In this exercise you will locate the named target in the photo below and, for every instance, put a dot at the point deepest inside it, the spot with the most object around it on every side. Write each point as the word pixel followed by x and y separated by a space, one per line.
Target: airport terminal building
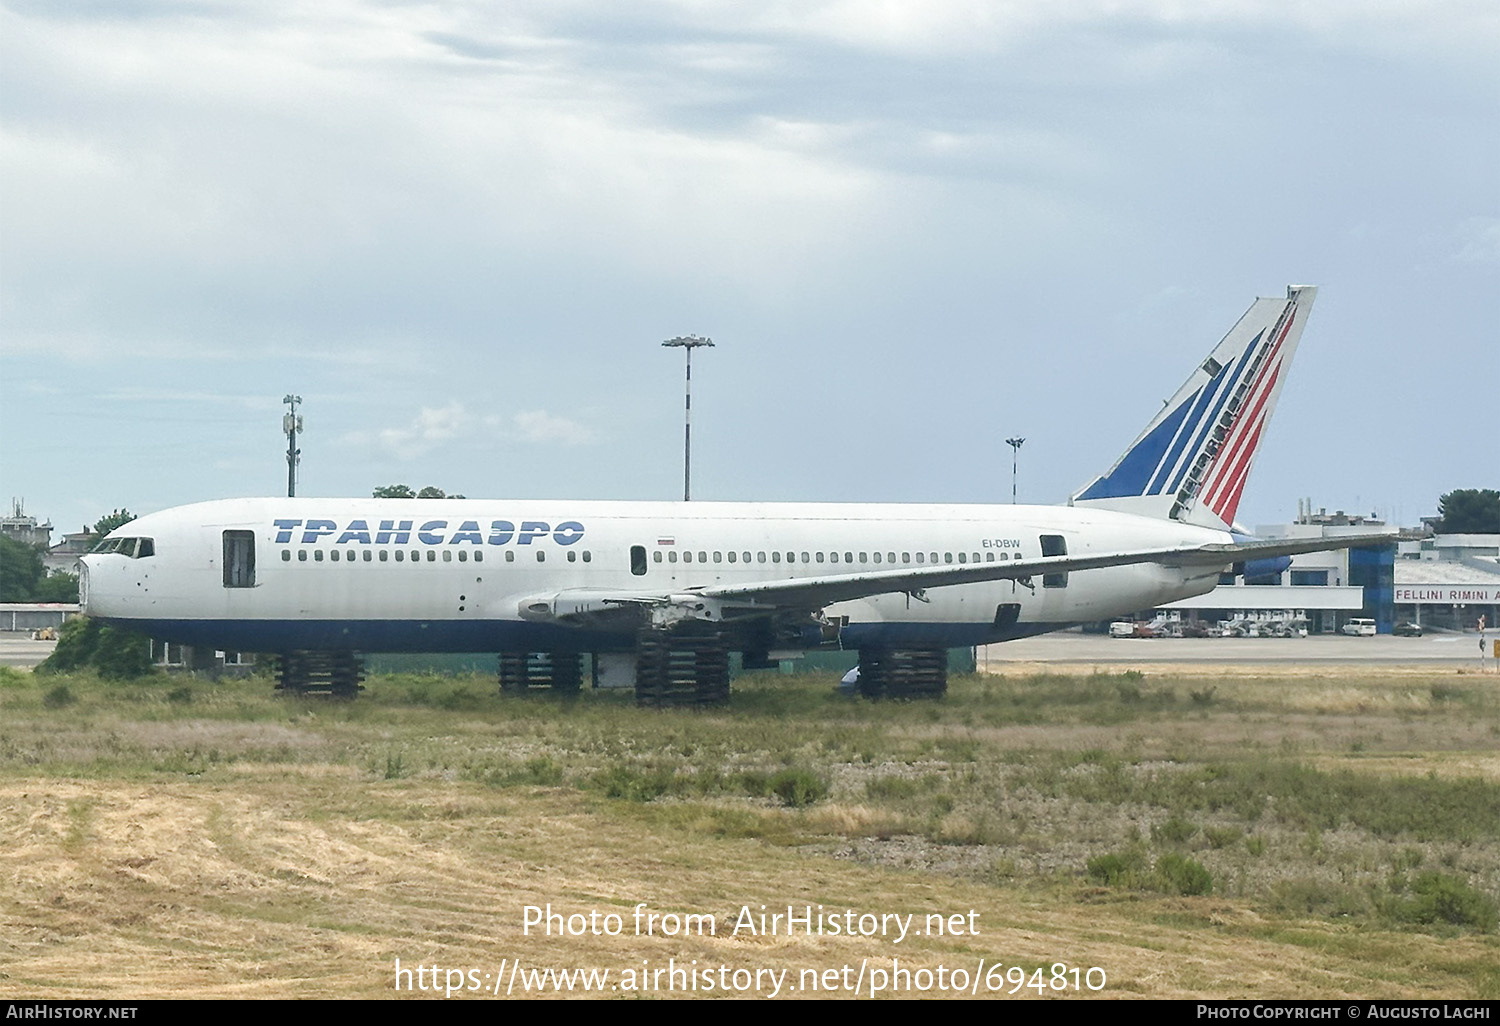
pixel 1449 581
pixel 1441 581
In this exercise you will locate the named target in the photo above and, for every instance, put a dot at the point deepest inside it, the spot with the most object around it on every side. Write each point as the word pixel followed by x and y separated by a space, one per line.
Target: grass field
pixel 1224 832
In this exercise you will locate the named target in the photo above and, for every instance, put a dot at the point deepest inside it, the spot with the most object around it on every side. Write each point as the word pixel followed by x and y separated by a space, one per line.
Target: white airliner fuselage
pixel 478 575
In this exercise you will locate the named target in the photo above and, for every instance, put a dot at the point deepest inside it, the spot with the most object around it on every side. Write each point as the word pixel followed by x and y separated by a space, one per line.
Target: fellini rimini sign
pixel 1447 594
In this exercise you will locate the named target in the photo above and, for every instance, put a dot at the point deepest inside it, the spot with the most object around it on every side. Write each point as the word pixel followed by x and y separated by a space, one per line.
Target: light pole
pixel 291 423
pixel 1015 457
pixel 687 343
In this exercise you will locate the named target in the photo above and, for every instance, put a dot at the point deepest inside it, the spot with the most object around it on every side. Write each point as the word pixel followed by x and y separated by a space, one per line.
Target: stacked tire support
pixel 681 669
pixel 332 674
pixel 903 673
pixel 522 671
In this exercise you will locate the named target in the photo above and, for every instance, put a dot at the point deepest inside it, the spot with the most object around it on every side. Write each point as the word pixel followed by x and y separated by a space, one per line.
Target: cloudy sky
pixel 460 230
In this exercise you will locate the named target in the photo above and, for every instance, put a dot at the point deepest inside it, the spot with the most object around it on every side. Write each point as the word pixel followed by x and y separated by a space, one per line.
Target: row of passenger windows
pixel 828 557
pixel 400 555
pixel 672 556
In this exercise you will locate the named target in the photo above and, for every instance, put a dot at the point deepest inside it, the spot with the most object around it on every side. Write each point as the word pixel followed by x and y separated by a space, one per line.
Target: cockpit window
pixel 135 548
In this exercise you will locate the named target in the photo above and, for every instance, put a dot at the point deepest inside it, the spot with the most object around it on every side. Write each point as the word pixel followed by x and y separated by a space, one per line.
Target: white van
pixel 1360 628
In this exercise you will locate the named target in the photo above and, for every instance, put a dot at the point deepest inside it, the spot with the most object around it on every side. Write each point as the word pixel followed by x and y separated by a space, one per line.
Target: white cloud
pixel 428 429
pixel 539 426
pixel 435 426
pixel 1479 241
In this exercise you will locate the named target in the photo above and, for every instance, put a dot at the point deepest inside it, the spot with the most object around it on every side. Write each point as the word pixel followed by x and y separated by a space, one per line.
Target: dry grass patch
pixel 242 845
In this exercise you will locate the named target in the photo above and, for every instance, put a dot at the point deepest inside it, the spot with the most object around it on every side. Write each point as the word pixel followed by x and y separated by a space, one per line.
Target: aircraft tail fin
pixel 1192 460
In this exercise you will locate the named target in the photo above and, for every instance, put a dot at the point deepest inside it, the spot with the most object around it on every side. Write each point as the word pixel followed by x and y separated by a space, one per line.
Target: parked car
pixel 1406 629
pixel 1359 627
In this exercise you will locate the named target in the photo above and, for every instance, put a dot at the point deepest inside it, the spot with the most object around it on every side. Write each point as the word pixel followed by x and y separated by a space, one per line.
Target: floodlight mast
pixel 687 343
pixel 1015 457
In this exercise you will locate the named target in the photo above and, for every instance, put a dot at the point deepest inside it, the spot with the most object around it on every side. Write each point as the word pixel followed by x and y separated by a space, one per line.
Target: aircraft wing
pixel 816 592
pixel 581 606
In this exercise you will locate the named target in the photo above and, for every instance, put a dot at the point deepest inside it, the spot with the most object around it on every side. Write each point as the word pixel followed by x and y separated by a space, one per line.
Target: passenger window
pixel 447 555
pixel 776 557
pixel 920 557
pixel 746 555
pixel 431 556
pixel 731 557
pixel 317 555
pixel 239 559
pixel 302 555
pixel 587 556
pixel 963 557
pixel 687 557
pixel 510 555
pixel 541 555
pixel 672 556
pixel 702 557
pixel 572 556
pixel 383 555
pixel 286 555
pixel 833 557
pixel 479 557
pixel 463 557
pixel 656 556
pixel 877 557
pixel 818 556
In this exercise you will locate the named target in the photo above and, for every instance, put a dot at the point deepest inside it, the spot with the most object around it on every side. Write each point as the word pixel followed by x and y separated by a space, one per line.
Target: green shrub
pixel 1117 869
pixel 1175 830
pixel 541 770
pixel 634 785
pixel 798 788
pixel 1222 837
pixel 58 697
pixel 1433 898
pixel 1318 897
pixel 1178 874
pixel 116 654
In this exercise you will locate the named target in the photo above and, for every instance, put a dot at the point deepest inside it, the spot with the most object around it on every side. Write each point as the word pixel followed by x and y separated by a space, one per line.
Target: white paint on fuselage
pixel 184 579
